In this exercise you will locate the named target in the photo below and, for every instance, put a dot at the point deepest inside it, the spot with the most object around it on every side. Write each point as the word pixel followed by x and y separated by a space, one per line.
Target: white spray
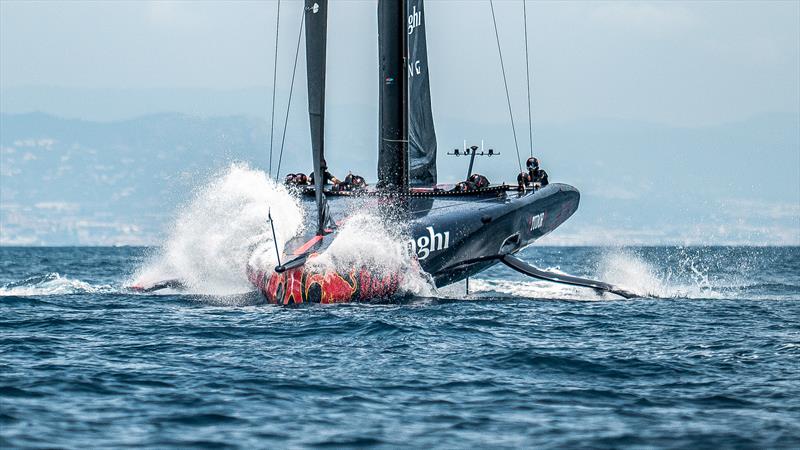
pixel 222 229
pixel 621 267
pixel 627 268
pixel 364 241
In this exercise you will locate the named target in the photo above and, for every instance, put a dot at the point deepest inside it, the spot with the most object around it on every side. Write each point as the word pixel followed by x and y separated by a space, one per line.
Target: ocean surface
pixel 709 357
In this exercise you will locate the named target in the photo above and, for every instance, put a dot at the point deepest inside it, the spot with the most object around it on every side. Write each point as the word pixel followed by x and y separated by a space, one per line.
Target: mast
pixel 316 38
pixel 393 117
pixel 407 148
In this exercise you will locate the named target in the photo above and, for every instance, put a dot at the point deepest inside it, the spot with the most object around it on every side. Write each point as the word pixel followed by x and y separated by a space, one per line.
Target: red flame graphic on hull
pixel 302 285
pixel 329 287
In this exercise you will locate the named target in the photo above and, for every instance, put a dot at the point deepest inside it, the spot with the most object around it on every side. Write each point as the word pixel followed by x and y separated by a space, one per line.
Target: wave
pixel 52 284
pixel 537 290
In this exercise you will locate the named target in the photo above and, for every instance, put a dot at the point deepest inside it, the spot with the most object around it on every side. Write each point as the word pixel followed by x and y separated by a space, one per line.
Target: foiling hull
pixel 451 238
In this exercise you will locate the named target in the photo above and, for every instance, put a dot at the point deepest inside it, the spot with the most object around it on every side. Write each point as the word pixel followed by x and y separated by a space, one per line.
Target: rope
pixel 274 86
pixel 291 89
pixel 505 83
pixel 528 75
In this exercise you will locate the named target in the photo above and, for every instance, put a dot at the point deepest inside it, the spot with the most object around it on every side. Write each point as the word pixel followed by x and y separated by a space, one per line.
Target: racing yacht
pixel 452 235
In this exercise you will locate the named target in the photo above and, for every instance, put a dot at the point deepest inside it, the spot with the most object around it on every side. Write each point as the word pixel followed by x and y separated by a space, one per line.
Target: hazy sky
pixel 678 63
pixel 657 106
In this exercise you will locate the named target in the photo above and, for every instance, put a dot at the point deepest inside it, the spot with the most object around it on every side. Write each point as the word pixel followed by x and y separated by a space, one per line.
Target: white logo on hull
pixel 433 241
pixel 537 221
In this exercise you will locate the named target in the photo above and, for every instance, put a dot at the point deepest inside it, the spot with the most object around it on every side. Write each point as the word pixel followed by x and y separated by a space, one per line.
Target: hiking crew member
pixel 479 181
pixel 523 180
pixel 296 179
pixel 464 186
pixel 351 183
pixel 533 177
pixel 537 176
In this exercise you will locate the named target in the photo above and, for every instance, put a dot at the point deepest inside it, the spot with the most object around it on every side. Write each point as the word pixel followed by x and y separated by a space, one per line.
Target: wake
pixel 624 268
pixel 52 284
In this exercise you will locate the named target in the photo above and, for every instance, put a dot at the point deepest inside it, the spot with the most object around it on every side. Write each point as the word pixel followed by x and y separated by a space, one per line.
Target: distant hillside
pixel 67 181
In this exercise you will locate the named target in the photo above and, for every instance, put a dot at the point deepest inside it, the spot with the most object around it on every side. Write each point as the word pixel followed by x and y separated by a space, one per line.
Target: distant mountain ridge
pixel 71 181
pixel 68 181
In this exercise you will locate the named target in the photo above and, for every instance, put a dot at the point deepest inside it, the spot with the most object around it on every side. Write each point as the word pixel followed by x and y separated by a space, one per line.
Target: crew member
pixel 523 180
pixel 479 181
pixel 296 179
pixel 358 182
pixel 301 179
pixel 326 176
pixel 351 183
pixel 538 177
pixel 464 186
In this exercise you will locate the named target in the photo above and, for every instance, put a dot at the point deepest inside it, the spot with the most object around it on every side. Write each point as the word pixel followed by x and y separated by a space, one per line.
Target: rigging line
pixel 528 75
pixel 505 83
pixel 274 86
pixel 291 89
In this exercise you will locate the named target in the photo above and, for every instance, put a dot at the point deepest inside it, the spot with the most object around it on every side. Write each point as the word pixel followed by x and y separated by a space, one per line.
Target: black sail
pixel 421 132
pixel 316 37
pixel 392 153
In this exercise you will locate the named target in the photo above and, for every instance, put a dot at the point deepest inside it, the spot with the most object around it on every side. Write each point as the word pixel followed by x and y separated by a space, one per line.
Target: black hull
pixel 482 231
pixel 452 237
pixel 457 236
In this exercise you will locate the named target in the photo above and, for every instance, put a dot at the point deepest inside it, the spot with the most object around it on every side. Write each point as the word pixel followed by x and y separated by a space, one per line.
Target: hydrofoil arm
pixel 527 269
pixel 165 284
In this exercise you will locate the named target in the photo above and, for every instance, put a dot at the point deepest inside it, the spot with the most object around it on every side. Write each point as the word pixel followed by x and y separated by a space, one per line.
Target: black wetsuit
pixel 479 181
pixel 351 183
pixel 463 186
pixel 326 177
pixel 538 176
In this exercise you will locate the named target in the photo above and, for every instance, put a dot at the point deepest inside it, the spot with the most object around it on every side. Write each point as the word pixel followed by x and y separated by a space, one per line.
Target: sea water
pixel 711 357
pixel 708 356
